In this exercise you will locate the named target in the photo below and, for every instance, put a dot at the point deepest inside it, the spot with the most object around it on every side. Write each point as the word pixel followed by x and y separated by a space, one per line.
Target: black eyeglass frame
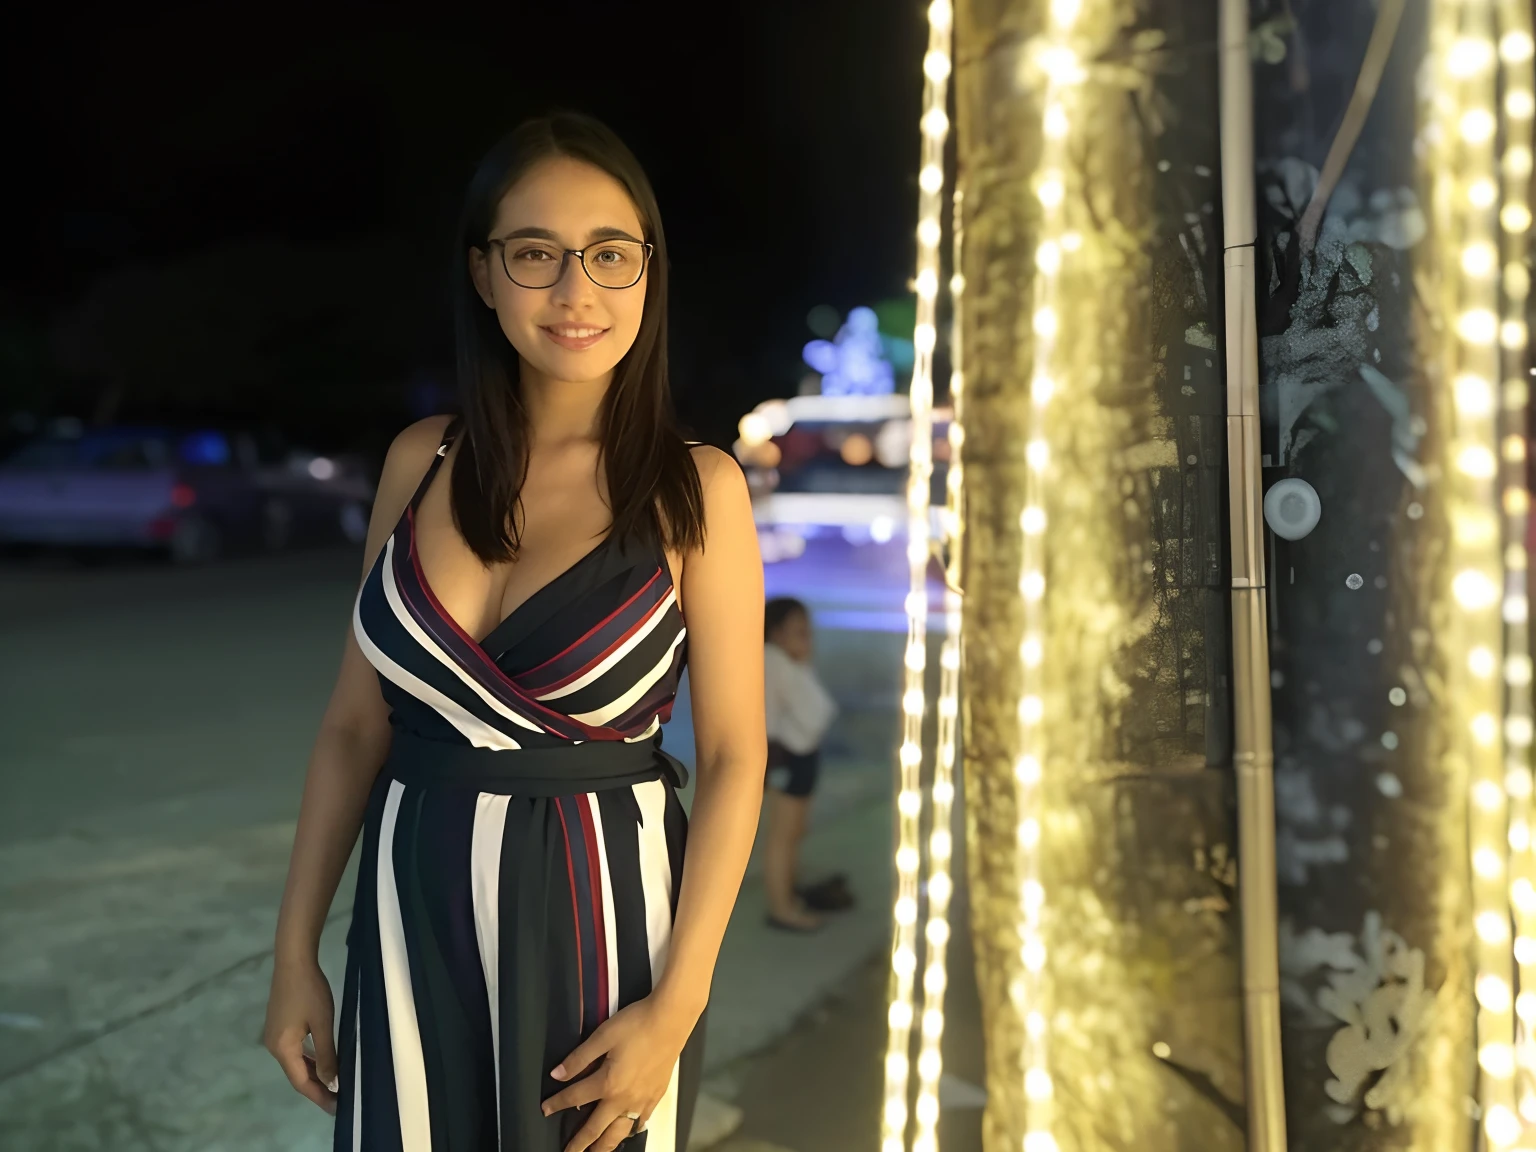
pixel 646 247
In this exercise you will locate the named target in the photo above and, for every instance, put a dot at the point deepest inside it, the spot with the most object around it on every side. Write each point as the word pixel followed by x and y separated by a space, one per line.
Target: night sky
pixel 265 200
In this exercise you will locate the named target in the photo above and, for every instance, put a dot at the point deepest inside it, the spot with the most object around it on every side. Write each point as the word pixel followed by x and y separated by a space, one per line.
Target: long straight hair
pixel 653 485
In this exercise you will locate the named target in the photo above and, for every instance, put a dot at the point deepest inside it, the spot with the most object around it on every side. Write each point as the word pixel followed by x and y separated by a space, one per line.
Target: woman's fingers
pixel 585 1053
pixel 645 1115
pixel 606 1118
pixel 290 1057
pixel 326 1067
pixel 615 1134
pixel 582 1092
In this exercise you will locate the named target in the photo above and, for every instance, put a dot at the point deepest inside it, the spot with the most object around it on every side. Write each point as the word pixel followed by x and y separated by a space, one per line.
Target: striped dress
pixel 522 852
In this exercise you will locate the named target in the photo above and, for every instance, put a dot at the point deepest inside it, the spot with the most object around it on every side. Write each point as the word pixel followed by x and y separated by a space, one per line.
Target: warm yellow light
pixel 1477 326
pixel 1469 56
pixel 1493 992
pixel 1515 47
pixel 1474 590
pixel 1479 260
pixel 1477 126
pixel 1477 460
pixel 1474 395
pixel 911 882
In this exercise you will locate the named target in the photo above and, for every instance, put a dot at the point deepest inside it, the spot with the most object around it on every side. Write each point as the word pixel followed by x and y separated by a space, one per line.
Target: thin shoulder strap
pixel 437 461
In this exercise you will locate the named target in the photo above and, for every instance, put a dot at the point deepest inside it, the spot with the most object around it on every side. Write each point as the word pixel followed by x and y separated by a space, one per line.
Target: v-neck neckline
pixel 487 643
pixel 493 644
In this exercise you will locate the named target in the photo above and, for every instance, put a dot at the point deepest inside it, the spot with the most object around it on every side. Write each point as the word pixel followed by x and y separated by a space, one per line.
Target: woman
pixel 529 956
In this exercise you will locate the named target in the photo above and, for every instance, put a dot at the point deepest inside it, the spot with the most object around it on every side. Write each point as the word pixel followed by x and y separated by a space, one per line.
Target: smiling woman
pixel 556 189
pixel 530 954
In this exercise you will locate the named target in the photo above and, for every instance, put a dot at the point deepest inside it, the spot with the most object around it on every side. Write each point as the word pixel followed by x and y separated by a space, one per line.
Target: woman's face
pixel 574 331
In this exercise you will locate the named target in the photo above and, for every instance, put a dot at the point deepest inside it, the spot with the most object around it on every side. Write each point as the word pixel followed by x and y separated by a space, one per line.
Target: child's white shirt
pixel 799 709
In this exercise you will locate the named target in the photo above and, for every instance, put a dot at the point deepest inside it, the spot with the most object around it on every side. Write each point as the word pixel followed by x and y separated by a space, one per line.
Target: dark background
pixel 243 210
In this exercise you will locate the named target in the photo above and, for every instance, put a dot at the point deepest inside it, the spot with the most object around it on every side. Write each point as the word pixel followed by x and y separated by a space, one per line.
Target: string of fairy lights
pixel 937 880
pixel 934 126
pixel 1515 82
pixel 1061 72
pixel 1483 293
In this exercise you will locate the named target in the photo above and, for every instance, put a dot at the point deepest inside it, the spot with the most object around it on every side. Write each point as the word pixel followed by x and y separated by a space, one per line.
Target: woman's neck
pixel 559 411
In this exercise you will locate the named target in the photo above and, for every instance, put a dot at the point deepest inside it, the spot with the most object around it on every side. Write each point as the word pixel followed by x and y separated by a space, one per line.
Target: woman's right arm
pixel 348 752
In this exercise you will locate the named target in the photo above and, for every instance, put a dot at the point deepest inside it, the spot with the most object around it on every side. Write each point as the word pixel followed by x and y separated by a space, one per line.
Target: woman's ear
pixel 480 273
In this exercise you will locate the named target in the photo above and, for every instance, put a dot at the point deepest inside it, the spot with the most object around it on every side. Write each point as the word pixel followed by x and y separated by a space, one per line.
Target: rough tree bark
pixel 1136 850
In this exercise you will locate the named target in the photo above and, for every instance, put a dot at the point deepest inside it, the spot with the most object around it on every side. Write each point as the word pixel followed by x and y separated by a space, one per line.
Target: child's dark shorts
pixel 792 773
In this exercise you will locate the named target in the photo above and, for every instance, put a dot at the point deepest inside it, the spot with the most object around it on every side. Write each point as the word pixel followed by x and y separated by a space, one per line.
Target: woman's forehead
pixel 570 198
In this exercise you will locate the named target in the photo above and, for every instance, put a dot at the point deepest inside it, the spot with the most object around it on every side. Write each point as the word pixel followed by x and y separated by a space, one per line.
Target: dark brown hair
pixel 779 611
pixel 653 485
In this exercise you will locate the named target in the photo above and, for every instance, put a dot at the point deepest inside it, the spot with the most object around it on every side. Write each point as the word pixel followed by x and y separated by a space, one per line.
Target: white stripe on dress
pixel 441 654
pixel 610 926
pixel 475 730
pixel 661 1128
pixel 485 885
pixel 600 716
pixel 656 884
pixel 655 872
pixel 618 653
pixel 400 1001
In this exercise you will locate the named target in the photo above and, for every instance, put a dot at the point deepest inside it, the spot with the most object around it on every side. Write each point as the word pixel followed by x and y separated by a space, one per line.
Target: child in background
pixel 799 712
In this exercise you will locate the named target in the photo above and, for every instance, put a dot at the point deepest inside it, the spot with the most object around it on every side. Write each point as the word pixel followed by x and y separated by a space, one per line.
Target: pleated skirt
pixel 490 935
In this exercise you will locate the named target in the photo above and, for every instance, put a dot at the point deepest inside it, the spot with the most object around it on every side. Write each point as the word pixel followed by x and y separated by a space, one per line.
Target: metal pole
pixel 1253 751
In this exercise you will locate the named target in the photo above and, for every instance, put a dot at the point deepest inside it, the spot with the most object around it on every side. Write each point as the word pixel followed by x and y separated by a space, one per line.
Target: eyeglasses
pixel 540 264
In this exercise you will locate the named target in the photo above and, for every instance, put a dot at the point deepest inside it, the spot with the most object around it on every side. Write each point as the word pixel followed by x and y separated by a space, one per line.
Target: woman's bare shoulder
pixel 409 457
pixel 714 466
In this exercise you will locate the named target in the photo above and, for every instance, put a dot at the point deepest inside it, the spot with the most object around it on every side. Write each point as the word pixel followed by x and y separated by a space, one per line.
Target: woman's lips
pixel 575 337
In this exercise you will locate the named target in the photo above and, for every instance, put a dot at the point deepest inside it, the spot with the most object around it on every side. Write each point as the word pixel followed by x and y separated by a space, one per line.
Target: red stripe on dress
pixel 617 643
pixel 595 878
pixel 598 627
pixel 558 719
pixel 570 871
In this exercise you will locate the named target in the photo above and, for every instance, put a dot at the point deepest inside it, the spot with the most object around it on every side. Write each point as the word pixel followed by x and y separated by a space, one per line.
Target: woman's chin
pixel 571 368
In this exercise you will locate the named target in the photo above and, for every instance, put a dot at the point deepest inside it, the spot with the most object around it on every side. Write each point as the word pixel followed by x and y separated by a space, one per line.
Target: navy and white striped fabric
pixel 493 930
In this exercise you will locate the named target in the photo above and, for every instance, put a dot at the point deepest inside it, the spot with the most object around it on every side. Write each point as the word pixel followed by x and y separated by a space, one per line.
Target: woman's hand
pixel 300 1006
pixel 638 1048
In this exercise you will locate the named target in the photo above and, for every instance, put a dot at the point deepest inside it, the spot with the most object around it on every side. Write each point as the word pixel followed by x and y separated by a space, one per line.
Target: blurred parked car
pixel 194 495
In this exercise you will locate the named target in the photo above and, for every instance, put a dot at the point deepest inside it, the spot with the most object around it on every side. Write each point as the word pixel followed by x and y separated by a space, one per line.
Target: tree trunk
pixel 1371 780
pixel 1136 852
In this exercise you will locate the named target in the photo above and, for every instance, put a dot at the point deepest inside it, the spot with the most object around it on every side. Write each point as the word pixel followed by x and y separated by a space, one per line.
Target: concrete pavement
pixel 155 729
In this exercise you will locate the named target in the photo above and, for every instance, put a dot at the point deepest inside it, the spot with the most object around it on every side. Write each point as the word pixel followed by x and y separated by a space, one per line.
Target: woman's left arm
pixel 722 598
pixel 723 606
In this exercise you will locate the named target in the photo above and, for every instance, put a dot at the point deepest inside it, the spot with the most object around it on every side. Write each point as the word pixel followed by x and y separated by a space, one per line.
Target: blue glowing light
pixel 853 363
pixel 206 448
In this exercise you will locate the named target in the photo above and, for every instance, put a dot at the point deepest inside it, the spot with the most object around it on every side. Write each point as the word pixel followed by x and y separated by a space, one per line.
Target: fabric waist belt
pixel 568 770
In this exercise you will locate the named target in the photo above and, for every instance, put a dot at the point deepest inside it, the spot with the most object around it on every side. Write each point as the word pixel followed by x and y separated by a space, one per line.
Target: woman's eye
pixel 532 255
pixel 610 256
